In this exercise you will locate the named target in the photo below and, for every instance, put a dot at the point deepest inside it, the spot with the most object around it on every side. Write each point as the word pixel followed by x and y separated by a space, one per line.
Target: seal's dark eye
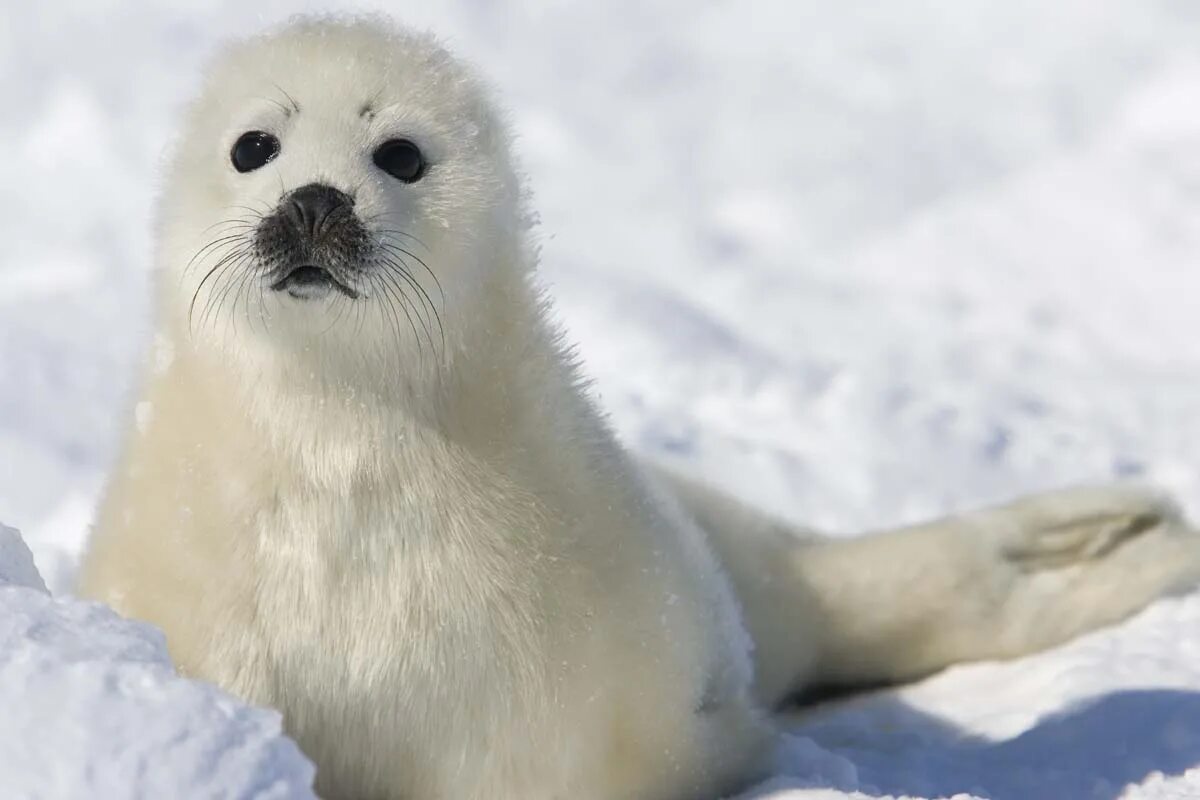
pixel 401 159
pixel 252 150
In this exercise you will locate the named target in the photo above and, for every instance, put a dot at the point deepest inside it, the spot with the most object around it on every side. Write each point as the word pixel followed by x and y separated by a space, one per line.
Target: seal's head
pixel 340 185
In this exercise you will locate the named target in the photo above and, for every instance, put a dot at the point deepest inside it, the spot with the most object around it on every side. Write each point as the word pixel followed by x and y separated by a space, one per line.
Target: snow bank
pixel 92 708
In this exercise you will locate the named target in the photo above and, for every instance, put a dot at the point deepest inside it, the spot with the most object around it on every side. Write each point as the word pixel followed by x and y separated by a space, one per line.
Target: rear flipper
pixel 995 583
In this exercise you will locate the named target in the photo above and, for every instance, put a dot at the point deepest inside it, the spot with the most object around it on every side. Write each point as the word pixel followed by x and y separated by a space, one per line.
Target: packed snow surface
pixel 862 263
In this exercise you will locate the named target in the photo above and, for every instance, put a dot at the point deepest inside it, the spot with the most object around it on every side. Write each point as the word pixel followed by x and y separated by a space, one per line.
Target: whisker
pixel 246 283
pixel 399 295
pixel 263 316
pixel 220 263
pixel 233 320
pixel 396 232
pixel 216 246
pixel 237 221
pixel 360 314
pixel 220 287
pixel 276 103
pixel 343 302
pixel 382 304
pixel 427 301
pixel 258 213
pixel 214 302
pixel 387 304
pixel 292 100
pixel 394 274
pixel 400 250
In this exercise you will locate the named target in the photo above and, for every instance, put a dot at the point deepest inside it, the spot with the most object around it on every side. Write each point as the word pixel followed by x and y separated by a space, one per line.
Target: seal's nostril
pixel 309 206
pixel 300 215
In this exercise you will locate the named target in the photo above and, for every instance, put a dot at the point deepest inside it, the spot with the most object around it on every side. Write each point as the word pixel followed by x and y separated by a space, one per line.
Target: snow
pixel 1114 708
pixel 16 562
pixel 862 263
pixel 93 708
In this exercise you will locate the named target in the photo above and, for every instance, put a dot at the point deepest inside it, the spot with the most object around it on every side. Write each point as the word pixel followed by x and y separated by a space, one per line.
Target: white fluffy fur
pixel 434 558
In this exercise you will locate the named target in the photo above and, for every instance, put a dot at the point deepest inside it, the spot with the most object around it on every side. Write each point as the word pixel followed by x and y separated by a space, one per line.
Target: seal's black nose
pixel 310 206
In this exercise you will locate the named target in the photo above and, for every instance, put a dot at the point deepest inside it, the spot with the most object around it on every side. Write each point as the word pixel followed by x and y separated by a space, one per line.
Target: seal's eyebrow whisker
pixel 368 108
pixel 287 111
pixel 290 99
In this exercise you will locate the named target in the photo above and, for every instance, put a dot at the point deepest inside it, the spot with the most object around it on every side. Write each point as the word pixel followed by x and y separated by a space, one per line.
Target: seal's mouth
pixel 309 282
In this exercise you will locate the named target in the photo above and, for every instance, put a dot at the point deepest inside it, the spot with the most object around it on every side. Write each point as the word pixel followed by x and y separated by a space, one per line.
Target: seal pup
pixel 366 485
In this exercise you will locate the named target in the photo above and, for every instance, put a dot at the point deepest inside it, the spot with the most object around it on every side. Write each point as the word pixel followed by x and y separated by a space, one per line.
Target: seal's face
pixel 338 182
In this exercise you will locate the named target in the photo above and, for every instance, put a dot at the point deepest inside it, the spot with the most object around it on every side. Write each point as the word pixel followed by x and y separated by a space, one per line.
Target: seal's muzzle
pixel 313 243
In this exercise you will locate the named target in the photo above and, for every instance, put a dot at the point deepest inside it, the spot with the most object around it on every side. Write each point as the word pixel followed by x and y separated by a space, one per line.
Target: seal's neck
pixel 503 379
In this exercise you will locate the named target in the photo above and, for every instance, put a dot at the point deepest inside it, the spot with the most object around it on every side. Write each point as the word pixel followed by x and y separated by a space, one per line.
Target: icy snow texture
pixel 93 709
pixel 861 262
pixel 16 562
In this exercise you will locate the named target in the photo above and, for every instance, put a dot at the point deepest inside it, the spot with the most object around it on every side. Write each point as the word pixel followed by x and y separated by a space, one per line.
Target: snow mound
pixel 93 708
pixel 16 562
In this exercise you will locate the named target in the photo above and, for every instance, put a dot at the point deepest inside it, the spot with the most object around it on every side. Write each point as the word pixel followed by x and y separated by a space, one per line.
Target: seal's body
pixel 367 488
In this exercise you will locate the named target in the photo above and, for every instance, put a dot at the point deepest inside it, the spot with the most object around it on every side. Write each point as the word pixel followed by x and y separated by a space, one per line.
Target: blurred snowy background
pixel 863 263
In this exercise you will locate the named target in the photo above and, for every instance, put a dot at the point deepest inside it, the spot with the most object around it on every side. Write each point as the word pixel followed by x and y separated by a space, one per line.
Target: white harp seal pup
pixel 367 487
